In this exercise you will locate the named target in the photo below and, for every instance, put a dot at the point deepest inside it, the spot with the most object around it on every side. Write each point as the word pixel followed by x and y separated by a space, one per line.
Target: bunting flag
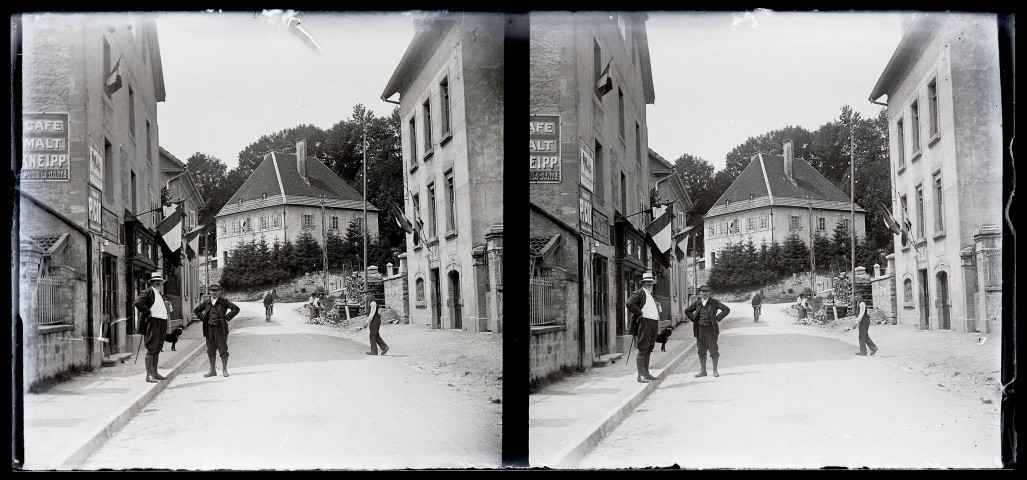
pixel 660 228
pixel 605 82
pixel 113 81
pixel 170 229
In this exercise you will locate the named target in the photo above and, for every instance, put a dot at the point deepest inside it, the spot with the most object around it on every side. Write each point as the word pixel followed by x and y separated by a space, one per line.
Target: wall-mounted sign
pixel 95 165
pixel 588 166
pixel 600 227
pixel 45 147
pixel 585 211
pixel 544 149
pixel 111 226
pixel 95 211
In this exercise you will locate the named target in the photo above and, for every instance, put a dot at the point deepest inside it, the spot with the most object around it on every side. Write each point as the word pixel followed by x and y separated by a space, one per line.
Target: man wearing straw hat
pixel 642 304
pixel 153 312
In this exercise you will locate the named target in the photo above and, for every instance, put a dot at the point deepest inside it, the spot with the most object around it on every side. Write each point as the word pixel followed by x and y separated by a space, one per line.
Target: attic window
pixel 263 196
pixel 240 201
pixel 727 202
pixel 752 196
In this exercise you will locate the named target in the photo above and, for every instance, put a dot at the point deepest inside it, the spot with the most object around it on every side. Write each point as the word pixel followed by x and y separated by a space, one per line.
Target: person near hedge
pixel 706 313
pixel 215 312
pixel 863 324
pixel 802 306
pixel 269 304
pixel 314 305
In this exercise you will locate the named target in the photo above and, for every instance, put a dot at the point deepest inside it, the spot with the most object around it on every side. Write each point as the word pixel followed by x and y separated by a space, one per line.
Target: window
pixel 431 211
pixel 276 221
pixel 450 202
pixel 131 112
pixel 914 126
pixel 845 225
pixel 722 228
pixel 794 222
pixel 821 224
pixel 359 222
pixel 920 211
pixel 939 212
pixel 623 193
pixel 750 224
pixel 907 291
pixel 600 168
pixel 247 225
pixel 620 111
pixel 224 229
pixel 308 221
pixel 149 142
pixel 264 222
pixel 597 64
pixel 108 171
pixel 900 148
pixel 334 223
pixel 712 232
pixel 932 107
pixel 415 199
pixel 905 213
pixel 135 195
pixel 733 226
pixel 106 65
pixel 419 291
pixel 235 227
pixel 444 104
pixel 713 259
pixel 413 142
pixel 763 222
pixel 638 142
pixel 642 207
pixel 427 127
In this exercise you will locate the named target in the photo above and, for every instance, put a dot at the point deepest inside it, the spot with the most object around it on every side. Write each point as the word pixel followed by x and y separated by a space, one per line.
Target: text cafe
pixel 544 149
pixel 45 147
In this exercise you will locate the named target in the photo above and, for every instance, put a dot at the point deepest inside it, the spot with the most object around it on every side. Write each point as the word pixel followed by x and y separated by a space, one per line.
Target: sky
pixel 232 77
pixel 723 77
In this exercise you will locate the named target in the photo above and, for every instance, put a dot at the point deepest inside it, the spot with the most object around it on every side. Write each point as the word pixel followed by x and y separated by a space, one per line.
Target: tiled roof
pixel 321 181
pixel 45 241
pixel 536 244
pixel 757 176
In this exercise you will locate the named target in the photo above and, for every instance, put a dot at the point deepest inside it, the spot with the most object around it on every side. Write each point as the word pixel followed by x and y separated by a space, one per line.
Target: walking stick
pixel 629 349
pixel 140 344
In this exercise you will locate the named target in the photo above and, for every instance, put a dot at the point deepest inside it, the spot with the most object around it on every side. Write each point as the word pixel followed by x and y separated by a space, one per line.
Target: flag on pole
pixel 113 81
pixel 660 229
pixel 170 229
pixel 605 82
pixel 890 221
pixel 407 226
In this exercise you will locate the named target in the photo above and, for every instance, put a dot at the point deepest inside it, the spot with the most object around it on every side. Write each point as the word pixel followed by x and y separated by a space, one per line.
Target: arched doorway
pixel 454 299
pixel 943 300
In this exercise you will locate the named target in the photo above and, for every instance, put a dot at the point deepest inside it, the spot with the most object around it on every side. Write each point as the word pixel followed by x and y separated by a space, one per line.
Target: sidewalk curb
pixel 79 454
pixel 577 450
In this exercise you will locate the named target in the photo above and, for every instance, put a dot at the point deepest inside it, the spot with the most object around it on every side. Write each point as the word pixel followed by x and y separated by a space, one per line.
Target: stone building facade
pixel 89 175
pixel 450 87
pixel 944 103
pixel 590 81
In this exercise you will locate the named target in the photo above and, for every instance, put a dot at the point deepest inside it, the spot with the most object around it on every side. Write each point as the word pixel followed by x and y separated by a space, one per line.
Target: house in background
pixel 286 196
pixel 672 281
pixel 773 197
pixel 182 285
pixel 450 87
pixel 944 106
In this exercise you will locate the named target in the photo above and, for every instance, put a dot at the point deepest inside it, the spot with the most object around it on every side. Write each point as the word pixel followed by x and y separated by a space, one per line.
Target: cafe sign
pixel 588 167
pixel 95 211
pixel 585 211
pixel 95 165
pixel 45 154
pixel 544 149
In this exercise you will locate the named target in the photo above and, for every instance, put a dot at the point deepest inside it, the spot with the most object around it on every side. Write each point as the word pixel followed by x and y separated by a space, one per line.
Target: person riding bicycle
pixel 757 305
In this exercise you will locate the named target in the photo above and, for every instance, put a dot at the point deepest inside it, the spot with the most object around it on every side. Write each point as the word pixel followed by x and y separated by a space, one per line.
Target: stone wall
pixel 884 293
pixel 552 348
pixel 397 296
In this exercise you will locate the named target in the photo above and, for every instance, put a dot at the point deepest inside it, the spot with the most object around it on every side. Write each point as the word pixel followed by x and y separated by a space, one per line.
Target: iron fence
pixel 540 301
pixel 49 301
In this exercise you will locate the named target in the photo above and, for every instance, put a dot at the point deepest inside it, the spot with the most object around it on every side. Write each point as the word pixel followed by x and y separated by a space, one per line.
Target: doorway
pixel 436 299
pixel 600 318
pixel 454 299
pixel 925 304
pixel 943 301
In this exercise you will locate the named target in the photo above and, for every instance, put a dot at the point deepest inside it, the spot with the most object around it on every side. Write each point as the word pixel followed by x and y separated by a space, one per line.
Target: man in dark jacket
pixel 154 313
pixel 704 316
pixel 215 312
pixel 643 306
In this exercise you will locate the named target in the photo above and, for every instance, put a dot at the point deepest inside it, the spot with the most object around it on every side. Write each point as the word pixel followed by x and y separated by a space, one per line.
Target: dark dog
pixel 172 337
pixel 663 337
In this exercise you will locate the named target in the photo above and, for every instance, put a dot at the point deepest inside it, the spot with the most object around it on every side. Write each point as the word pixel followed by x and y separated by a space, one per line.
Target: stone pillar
pixel 988 247
pixel 970 287
pixel 403 263
pixel 494 253
pixel 388 270
pixel 890 261
pixel 877 270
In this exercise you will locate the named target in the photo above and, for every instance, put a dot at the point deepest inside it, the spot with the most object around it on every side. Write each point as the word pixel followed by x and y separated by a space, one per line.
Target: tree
pixel 209 174
pixel 794 254
pixel 309 257
pixel 771 143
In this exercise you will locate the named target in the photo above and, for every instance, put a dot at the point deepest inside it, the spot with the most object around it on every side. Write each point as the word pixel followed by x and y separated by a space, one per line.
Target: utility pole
pixel 812 246
pixel 364 224
pixel 206 250
pixel 852 212
pixel 324 248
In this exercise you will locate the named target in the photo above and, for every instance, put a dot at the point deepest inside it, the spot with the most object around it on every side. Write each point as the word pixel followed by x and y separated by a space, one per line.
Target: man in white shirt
pixel 645 308
pixel 154 313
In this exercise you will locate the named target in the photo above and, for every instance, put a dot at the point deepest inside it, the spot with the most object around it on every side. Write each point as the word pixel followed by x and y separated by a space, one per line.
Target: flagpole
pixel 365 202
pixel 852 213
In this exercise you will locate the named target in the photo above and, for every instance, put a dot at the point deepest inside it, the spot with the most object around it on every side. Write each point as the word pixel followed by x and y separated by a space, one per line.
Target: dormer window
pixel 752 196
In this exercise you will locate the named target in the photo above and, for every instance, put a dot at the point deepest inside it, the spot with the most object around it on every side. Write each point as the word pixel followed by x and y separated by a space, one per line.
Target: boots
pixel 702 367
pixel 155 374
pixel 224 365
pixel 646 363
pixel 715 373
pixel 149 370
pixel 212 371
pixel 640 364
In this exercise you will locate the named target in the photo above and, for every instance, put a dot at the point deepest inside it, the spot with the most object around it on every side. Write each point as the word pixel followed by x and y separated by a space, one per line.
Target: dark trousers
pixel 268 309
pixel 707 341
pixel 375 337
pixel 156 329
pixel 647 331
pixel 217 342
pixel 864 336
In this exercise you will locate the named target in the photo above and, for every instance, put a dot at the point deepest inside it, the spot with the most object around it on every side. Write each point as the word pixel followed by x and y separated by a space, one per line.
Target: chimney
pixel 789 161
pixel 301 158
